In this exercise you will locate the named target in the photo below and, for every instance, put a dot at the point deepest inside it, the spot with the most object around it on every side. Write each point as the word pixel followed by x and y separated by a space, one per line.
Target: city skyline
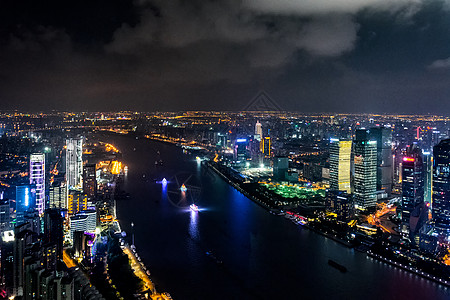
pixel 344 56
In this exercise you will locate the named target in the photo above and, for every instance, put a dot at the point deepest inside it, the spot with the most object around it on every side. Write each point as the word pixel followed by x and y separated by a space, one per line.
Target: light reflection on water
pixel 262 254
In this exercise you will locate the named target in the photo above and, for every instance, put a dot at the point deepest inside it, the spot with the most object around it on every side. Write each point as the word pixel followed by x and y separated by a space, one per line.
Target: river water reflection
pixel 234 249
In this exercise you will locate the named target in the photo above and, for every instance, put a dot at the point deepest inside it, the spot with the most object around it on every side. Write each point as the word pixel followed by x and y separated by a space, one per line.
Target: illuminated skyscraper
pixel 428 177
pixel 365 161
pixel 340 157
pixel 441 187
pixel 240 150
pixel 258 131
pixel 58 194
pixel 412 184
pixel 74 162
pixel 266 146
pixel 77 202
pixel 280 167
pixel 89 181
pixel 37 177
pixel 383 137
pixel 25 200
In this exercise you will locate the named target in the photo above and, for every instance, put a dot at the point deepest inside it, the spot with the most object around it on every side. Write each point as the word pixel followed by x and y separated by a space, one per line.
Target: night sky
pixel 308 55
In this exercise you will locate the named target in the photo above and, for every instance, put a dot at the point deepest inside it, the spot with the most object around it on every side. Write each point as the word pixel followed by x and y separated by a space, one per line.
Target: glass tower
pixel 340 158
pixel 74 162
pixel 37 177
pixel 441 187
pixel 412 184
pixel 365 160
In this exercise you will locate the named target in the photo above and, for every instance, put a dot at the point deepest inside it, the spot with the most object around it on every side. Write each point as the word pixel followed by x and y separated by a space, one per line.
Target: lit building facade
pixel 365 162
pixel 74 162
pixel 412 184
pixel 85 221
pixel 383 137
pixel 258 131
pixel 266 146
pixel 428 177
pixel 441 187
pixel 25 200
pixel 340 203
pixel 89 180
pixel 58 194
pixel 280 167
pixel 77 202
pixel 37 177
pixel 340 159
pixel 241 152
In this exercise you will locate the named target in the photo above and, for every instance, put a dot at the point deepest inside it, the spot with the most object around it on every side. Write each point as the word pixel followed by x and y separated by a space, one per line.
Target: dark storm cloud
pixel 154 54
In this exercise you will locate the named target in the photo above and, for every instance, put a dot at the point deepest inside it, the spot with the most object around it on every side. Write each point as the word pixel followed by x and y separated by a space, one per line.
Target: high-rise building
pixel 241 152
pixel 428 177
pixel 58 194
pixel 5 220
pixel 280 167
pixel 25 200
pixel 77 201
pixel 266 146
pixel 340 203
pixel 37 177
pixel 85 221
pixel 383 137
pixel 365 162
pixel 258 131
pixel 53 230
pixel 89 180
pixel 74 162
pixel 441 187
pixel 412 185
pixel 340 158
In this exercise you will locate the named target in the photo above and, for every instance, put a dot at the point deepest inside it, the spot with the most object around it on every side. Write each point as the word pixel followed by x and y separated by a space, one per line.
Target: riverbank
pixel 329 236
pixel 260 203
pixel 409 269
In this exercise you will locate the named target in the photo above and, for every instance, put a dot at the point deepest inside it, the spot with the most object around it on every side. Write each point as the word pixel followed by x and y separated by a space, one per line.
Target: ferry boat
pixel 340 267
pixel 183 188
pixel 193 207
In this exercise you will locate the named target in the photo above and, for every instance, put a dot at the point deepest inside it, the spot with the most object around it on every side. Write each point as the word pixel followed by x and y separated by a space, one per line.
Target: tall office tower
pixel 53 230
pixel 266 146
pixel 240 150
pixel 77 202
pixel 74 162
pixel 25 200
pixel 383 136
pixel 58 194
pixel 280 167
pixel 412 185
pixel 258 131
pixel 441 187
pixel 365 161
pixel 340 158
pixel 5 220
pixel 89 181
pixel 428 177
pixel 37 177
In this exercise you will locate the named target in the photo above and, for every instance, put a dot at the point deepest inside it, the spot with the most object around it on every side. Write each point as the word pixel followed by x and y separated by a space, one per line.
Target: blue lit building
pixel 241 152
pixel 441 187
pixel 25 200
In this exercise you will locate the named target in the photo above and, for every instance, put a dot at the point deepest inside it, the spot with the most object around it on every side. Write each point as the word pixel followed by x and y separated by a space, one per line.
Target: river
pixel 234 249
